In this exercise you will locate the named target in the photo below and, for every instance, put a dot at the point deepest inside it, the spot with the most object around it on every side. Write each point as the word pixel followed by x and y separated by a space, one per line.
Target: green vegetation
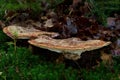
pixel 102 73
pixel 103 9
pixel 109 7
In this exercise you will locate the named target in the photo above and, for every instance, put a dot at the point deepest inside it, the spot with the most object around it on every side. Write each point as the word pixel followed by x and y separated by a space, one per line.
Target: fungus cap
pixel 20 32
pixel 71 45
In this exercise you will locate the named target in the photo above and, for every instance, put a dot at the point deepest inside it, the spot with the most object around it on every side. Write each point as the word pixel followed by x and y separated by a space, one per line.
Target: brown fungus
pixel 71 47
pixel 20 32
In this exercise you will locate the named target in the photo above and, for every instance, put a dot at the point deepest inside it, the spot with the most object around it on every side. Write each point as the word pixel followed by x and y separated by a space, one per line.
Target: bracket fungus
pixel 71 47
pixel 20 32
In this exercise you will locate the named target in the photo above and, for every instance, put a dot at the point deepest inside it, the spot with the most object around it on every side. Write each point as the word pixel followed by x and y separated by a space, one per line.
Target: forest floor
pixel 19 61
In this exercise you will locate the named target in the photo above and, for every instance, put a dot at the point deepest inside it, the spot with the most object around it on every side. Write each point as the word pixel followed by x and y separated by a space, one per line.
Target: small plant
pixel 2 76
